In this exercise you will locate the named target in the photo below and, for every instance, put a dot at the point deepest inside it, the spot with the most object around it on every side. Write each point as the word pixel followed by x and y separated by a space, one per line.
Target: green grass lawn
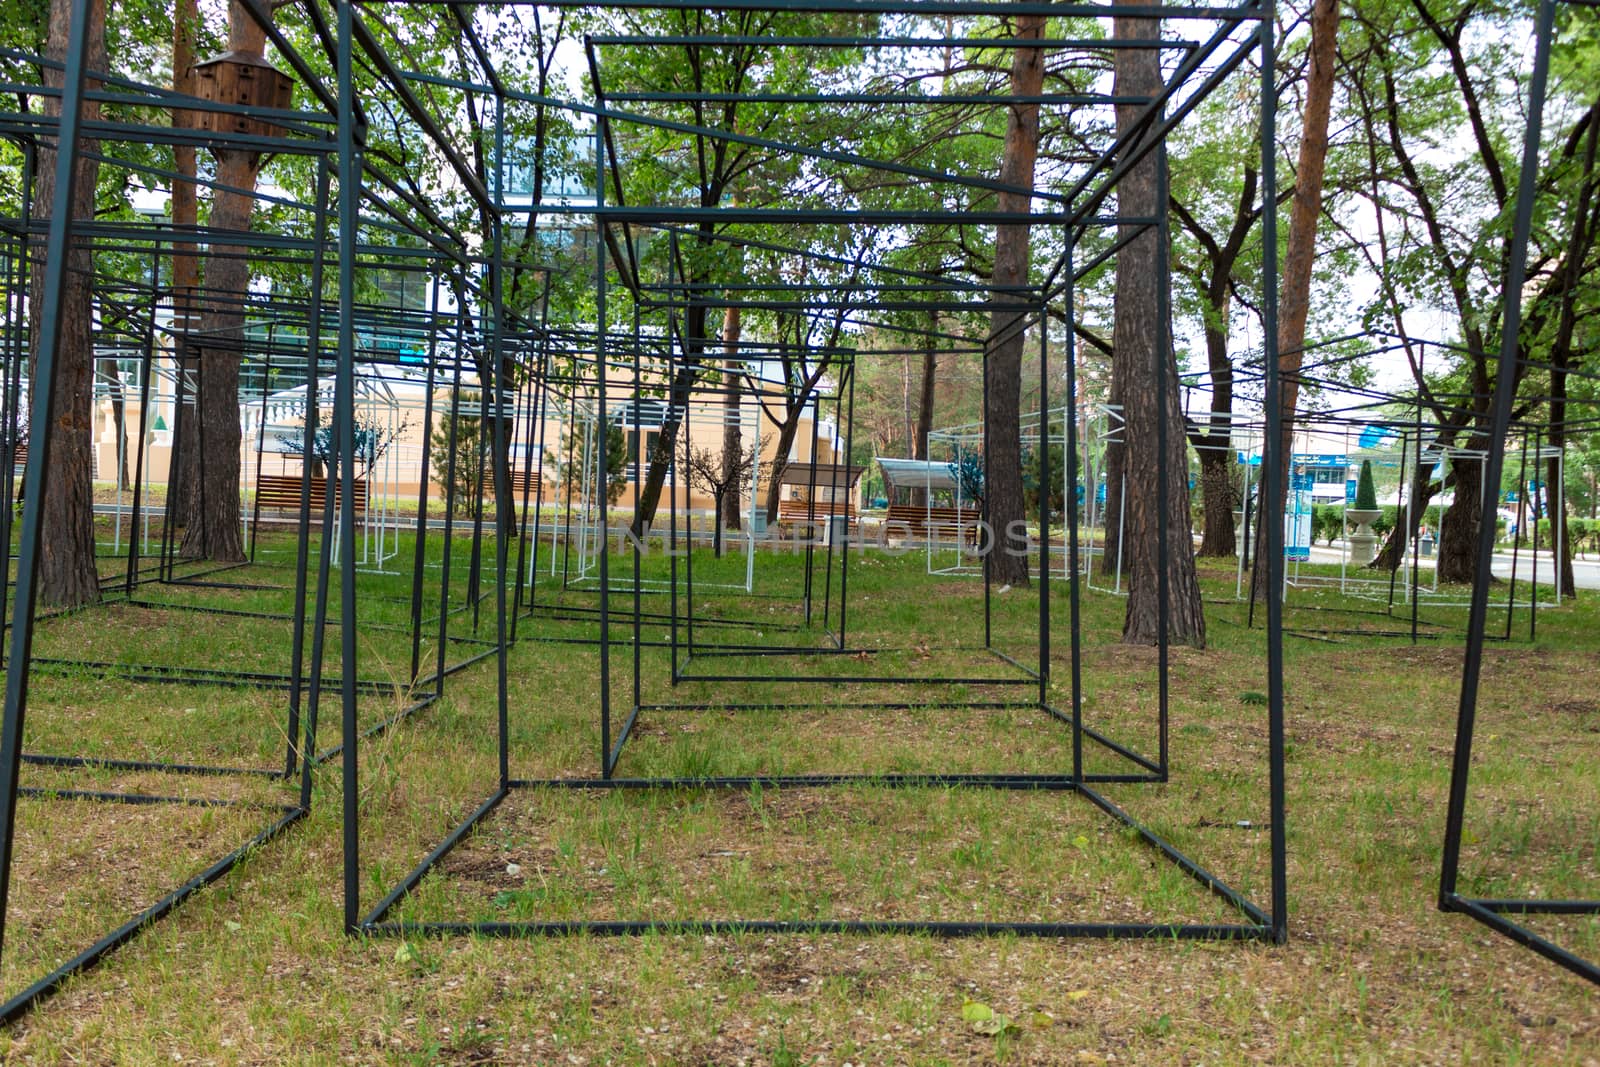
pixel 256 969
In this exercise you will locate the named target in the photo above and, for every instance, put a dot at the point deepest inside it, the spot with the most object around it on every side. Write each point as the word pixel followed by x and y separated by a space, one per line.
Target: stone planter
pixel 1363 541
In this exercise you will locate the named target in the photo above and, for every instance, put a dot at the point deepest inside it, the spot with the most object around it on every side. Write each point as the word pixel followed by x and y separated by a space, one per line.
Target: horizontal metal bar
pixel 203 770
pixel 864 216
pixel 891 679
pixel 92 955
pixel 1538 907
pixel 382 726
pixel 1019 782
pixel 854 705
pixel 1099 738
pixel 1000 8
pixel 615 755
pixel 29 123
pixel 1523 936
pixel 163 674
pixel 1005 99
pixel 1009 44
pixel 146 799
pixel 1216 885
pixel 411 880
pixel 735 927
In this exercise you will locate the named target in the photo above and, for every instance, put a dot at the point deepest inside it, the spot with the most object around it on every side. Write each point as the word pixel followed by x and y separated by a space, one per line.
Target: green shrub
pixel 1327 522
pixel 1366 492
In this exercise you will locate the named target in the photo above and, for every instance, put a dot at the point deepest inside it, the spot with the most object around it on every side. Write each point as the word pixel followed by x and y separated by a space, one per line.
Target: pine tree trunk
pixel 1408 521
pixel 67 575
pixel 1142 347
pixel 1458 530
pixel 649 498
pixel 214 525
pixel 1215 447
pixel 786 436
pixel 1008 563
pixel 1217 494
pixel 1294 301
pixel 185 267
pixel 214 528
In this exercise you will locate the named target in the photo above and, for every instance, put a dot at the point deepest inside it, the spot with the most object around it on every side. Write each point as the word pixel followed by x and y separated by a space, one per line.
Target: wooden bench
pixel 522 481
pixel 282 491
pixel 804 513
pixel 940 521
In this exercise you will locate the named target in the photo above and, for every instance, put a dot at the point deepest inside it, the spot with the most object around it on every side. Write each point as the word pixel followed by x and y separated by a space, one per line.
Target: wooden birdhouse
pixel 242 79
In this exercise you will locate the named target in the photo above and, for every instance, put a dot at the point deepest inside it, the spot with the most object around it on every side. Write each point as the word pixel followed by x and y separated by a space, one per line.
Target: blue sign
pixel 1373 436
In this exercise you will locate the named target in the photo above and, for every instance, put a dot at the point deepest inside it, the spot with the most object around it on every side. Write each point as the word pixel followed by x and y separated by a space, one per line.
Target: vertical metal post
pixel 1166 370
pixel 985 531
pixel 51 313
pixel 1070 431
pixel 261 447
pixel 602 426
pixel 1044 506
pixel 1272 489
pixel 419 553
pixel 131 578
pixel 1533 557
pixel 174 463
pixel 504 508
pixel 344 433
pixel 450 464
pixel 1505 394
pixel 303 523
pixel 1405 510
pixel 643 531
pixel 849 490
pixel 13 385
pixel 541 413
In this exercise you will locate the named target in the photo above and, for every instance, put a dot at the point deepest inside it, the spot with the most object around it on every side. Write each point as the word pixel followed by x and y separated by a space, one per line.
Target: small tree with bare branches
pixel 711 472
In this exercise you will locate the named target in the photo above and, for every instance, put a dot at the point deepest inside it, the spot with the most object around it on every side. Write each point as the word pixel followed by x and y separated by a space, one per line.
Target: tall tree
pixel 804 362
pixel 1294 301
pixel 708 168
pixel 1146 380
pixel 214 529
pixel 185 264
pixel 1418 73
pixel 67 574
pixel 1007 334
pixel 1214 273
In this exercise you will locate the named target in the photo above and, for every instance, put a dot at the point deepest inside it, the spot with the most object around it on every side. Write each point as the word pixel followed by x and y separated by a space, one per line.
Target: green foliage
pixel 458 436
pixel 1327 522
pixel 968 473
pixel 1366 492
pixel 574 449
pixel 1031 479
pixel 372 442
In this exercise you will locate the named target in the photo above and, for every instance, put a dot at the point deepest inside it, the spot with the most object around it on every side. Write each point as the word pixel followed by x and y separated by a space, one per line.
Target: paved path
pixel 1585 572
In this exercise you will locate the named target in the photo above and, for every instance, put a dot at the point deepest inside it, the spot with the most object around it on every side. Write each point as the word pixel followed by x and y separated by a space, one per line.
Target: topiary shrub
pixel 1366 492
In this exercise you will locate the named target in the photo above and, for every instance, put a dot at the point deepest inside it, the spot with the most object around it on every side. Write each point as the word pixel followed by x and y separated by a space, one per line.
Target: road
pixel 1585 572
